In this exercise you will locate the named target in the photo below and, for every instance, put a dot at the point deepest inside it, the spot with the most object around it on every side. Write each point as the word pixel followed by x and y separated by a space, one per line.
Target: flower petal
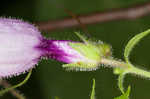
pixel 18 52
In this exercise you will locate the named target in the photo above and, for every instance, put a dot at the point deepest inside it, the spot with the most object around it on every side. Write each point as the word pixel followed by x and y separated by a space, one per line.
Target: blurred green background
pixel 49 79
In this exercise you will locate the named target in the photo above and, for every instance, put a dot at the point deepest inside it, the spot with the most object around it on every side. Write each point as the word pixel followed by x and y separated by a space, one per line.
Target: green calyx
pixel 88 50
pixel 91 51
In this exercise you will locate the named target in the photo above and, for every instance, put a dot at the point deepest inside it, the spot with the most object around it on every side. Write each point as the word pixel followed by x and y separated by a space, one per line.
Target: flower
pixel 78 55
pixel 22 46
pixel 18 42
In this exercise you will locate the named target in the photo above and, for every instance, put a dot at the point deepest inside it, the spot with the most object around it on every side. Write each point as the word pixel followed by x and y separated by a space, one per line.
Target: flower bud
pixel 18 47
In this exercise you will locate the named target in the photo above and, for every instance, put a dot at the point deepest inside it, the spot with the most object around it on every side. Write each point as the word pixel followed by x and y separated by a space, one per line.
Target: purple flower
pixel 22 46
pixel 18 52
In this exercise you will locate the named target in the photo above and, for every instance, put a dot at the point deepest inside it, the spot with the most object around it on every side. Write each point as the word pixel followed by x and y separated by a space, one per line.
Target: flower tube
pixel 83 56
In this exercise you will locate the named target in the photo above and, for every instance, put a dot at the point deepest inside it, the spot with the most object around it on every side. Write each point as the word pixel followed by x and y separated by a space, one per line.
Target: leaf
pixel 93 90
pixel 133 42
pixel 125 95
pixel 120 83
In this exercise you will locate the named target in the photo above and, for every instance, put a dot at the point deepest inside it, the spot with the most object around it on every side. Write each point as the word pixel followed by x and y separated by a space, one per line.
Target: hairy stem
pixel 127 68
pixel 140 72
pixel 114 63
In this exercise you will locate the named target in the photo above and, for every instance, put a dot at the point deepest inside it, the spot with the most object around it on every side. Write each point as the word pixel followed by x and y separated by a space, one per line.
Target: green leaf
pixel 93 90
pixel 133 42
pixel 120 83
pixel 125 95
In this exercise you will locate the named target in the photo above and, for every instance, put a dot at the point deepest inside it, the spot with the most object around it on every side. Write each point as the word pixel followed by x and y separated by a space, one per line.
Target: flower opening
pixel 18 52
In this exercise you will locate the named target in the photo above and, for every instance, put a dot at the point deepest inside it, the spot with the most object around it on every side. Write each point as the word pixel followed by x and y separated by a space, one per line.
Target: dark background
pixel 49 79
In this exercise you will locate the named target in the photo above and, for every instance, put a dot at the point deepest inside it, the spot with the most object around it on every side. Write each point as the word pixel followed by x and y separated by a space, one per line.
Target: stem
pixel 133 12
pixel 114 63
pixel 139 71
pixel 128 68
pixel 14 92
pixel 18 85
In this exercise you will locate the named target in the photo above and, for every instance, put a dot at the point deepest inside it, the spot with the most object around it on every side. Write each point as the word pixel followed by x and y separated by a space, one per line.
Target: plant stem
pixel 114 63
pixel 139 71
pixel 128 68
pixel 14 92
pixel 17 85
